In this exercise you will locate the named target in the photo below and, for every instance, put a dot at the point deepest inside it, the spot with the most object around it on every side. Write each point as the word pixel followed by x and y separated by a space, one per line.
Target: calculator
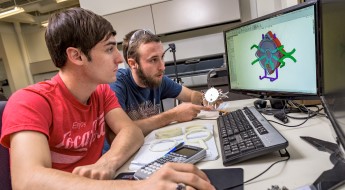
pixel 183 154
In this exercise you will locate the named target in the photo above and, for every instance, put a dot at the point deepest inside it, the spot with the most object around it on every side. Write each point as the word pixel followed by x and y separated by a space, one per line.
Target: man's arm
pixel 188 95
pixel 31 166
pixel 180 113
pixel 128 140
pixel 31 169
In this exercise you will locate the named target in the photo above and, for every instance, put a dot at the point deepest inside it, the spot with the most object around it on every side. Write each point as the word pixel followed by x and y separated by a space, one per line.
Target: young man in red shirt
pixel 55 129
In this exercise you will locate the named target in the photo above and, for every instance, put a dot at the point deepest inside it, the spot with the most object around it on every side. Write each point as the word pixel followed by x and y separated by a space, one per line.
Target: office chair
pixel 5 176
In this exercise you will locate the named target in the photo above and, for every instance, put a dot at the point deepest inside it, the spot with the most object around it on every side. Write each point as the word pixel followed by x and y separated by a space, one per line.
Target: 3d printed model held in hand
pixel 271 54
pixel 213 95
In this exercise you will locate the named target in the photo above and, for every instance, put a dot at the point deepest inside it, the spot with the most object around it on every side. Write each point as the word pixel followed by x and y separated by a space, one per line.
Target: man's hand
pixel 188 111
pixel 102 171
pixel 197 97
pixel 214 105
pixel 172 174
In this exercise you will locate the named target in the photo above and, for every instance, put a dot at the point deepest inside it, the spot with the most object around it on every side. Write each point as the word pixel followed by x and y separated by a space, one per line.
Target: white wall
pixel 105 7
pixel 265 7
pixel 2 71
pixel 196 47
pixel 127 21
pixel 180 15
pixel 10 52
pixel 256 8
pixel 36 46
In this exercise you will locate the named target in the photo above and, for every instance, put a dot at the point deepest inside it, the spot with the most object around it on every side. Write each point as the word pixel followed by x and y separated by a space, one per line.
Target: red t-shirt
pixel 75 131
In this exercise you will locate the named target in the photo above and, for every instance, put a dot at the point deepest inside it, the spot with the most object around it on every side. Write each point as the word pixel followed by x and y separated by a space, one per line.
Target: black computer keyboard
pixel 246 134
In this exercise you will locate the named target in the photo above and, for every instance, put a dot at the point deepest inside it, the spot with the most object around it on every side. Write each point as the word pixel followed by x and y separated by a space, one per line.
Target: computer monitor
pixel 333 42
pixel 276 55
pixel 332 13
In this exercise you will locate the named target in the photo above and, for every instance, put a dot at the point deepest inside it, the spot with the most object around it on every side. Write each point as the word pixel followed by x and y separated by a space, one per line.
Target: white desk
pixel 304 167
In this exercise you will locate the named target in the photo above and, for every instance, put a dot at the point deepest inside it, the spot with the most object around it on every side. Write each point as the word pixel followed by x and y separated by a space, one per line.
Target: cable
pixel 289 125
pixel 302 109
pixel 283 155
pixel 294 125
pixel 166 50
pixel 291 107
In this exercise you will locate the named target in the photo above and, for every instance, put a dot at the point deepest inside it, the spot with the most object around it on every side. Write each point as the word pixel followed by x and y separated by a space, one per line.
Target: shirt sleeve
pixel 111 100
pixel 25 110
pixel 120 90
pixel 170 89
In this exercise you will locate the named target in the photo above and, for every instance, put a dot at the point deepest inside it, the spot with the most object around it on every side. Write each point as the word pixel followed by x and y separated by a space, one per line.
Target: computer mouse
pixel 260 104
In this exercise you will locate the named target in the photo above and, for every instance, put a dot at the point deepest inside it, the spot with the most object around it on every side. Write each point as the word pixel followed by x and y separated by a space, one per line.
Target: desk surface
pixel 303 168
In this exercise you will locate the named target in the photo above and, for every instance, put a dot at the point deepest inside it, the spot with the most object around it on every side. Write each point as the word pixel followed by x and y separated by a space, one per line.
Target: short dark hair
pixel 75 27
pixel 143 37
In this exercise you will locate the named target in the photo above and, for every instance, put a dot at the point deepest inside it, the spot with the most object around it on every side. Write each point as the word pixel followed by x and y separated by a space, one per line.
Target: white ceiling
pixel 36 11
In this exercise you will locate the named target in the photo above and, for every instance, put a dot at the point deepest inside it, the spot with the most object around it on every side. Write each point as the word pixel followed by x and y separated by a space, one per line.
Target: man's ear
pixel 132 63
pixel 74 55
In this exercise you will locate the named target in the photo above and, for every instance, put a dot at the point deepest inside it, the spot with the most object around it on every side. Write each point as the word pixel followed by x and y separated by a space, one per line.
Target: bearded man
pixel 141 87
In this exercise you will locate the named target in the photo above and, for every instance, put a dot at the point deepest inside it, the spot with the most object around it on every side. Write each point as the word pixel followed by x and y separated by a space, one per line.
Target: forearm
pixel 188 95
pixel 126 143
pixel 52 179
pixel 157 121
pixel 197 98
pixel 48 178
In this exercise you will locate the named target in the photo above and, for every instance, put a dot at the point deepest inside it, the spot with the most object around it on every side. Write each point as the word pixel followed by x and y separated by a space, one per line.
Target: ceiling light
pixel 44 23
pixel 60 1
pixel 10 12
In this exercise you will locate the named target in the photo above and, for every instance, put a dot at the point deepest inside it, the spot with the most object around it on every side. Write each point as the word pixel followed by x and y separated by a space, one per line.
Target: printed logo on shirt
pixel 80 141
pixel 144 110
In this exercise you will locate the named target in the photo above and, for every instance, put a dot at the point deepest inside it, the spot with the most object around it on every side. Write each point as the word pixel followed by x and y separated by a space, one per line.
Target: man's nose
pixel 162 64
pixel 118 57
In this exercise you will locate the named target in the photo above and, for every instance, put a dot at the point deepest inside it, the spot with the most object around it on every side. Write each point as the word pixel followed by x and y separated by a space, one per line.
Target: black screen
pixel 333 43
pixel 186 151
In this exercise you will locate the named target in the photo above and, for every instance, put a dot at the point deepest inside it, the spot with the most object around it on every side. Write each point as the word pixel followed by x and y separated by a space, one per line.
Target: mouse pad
pixel 225 178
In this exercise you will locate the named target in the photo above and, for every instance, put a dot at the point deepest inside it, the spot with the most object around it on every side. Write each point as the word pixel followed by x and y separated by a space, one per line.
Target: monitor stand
pixel 335 177
pixel 277 104
pixel 331 179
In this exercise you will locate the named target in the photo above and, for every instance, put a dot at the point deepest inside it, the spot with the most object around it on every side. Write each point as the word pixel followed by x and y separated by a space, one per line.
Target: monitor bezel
pixel 339 132
pixel 284 94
